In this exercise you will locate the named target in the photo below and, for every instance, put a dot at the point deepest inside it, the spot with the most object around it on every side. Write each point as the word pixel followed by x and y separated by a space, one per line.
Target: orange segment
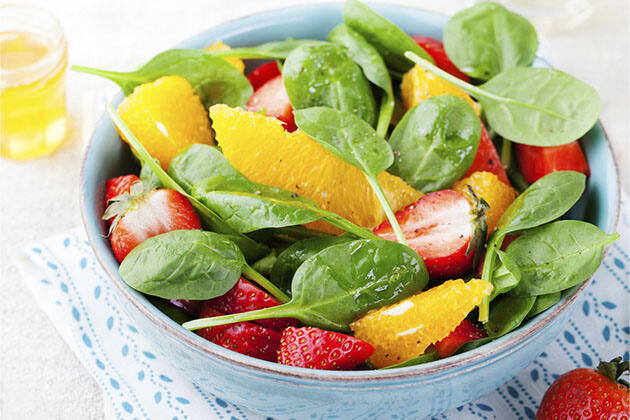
pixel 496 193
pixel 221 46
pixel 405 329
pixel 166 116
pixel 419 84
pixel 265 152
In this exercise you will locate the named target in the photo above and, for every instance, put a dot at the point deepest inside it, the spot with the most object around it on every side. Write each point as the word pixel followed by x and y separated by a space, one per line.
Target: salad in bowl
pixel 370 201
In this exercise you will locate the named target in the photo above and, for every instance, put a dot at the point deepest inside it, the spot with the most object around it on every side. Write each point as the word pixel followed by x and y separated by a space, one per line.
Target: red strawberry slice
pixel 313 348
pixel 536 162
pixel 436 50
pixel 142 215
pixel 245 297
pixel 262 74
pixel 243 337
pixel 118 186
pixel 487 159
pixel 465 332
pixel 273 99
pixel 444 229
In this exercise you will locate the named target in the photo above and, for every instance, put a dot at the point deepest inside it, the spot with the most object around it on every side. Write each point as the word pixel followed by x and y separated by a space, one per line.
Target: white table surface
pixel 39 376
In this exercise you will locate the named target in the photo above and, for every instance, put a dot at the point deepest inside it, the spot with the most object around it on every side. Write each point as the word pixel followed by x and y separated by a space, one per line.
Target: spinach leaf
pixel 198 162
pixel 292 258
pixel 420 360
pixel 247 206
pixel 545 200
pixel 386 37
pixel 211 220
pixel 325 75
pixel 183 264
pixel 342 282
pixel 507 312
pixel 354 141
pixel 373 66
pixel 544 302
pixel 265 264
pixel 535 106
pixel 471 345
pixel 486 39
pixel 149 178
pixel 435 143
pixel 506 276
pixel 557 256
pixel 214 79
pixel 271 50
pixel 176 314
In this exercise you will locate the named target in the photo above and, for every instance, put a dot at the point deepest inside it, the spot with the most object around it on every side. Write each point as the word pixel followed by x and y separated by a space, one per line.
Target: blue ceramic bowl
pixel 288 392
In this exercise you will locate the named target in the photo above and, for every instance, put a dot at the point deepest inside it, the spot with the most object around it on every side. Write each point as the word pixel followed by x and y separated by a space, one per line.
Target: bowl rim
pixel 458 364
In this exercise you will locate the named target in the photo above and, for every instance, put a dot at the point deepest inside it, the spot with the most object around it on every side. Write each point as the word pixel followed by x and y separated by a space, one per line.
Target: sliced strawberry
pixel 245 297
pixel 487 159
pixel 536 162
pixel 142 215
pixel 436 50
pixel 444 229
pixel 243 337
pixel 118 186
pixel 313 348
pixel 272 98
pixel 262 74
pixel 191 307
pixel 465 332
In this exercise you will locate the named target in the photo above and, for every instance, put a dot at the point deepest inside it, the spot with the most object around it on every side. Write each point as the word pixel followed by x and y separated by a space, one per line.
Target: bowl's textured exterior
pixel 286 392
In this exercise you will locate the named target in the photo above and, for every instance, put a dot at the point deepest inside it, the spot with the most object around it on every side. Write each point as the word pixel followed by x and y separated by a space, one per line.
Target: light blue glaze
pixel 286 392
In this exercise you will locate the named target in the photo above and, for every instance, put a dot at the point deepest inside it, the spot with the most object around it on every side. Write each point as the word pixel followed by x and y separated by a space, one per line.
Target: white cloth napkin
pixel 82 302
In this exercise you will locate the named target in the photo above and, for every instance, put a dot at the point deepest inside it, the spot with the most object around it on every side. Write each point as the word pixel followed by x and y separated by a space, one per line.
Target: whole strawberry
pixel 313 348
pixel 588 394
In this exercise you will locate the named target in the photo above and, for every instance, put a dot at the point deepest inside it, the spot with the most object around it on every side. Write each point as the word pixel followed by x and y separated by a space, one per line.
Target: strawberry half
pixel 245 297
pixel 243 337
pixel 536 162
pixel 436 50
pixel 465 332
pixel 487 158
pixel 140 215
pixel 444 229
pixel 272 98
pixel 313 348
pixel 118 186
pixel 262 74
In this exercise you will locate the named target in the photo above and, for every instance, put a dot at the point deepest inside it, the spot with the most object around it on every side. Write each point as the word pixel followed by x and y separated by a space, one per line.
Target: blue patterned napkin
pixel 80 299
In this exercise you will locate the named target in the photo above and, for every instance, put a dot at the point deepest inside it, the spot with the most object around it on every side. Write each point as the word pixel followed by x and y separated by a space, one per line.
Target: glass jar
pixel 33 61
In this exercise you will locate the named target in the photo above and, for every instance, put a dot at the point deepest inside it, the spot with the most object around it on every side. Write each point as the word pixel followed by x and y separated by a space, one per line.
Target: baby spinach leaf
pixel 471 345
pixel 373 66
pixel 557 256
pixel 435 143
pixel 342 282
pixel 271 50
pixel 176 314
pixel 506 276
pixel 386 37
pixel 544 302
pixel 247 206
pixel 291 258
pixel 507 312
pixel 265 264
pixel 149 178
pixel 214 79
pixel 183 264
pixel 211 220
pixel 420 360
pixel 535 106
pixel 545 200
pixel 198 162
pixel 486 39
pixel 325 75
pixel 354 141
